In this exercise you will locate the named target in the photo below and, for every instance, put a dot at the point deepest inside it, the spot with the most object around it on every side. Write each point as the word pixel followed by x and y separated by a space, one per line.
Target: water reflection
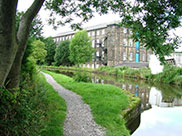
pixel 160 114
pixel 161 105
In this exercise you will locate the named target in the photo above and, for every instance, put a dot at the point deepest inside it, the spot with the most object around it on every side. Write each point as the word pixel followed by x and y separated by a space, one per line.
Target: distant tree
pixel 80 48
pixel 39 53
pixel 50 47
pixel 62 54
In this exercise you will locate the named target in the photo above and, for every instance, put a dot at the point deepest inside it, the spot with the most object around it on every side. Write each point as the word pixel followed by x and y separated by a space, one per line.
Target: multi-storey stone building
pixel 113 45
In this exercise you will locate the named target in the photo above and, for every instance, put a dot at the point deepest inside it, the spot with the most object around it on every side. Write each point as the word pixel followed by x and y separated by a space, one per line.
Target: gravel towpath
pixel 79 120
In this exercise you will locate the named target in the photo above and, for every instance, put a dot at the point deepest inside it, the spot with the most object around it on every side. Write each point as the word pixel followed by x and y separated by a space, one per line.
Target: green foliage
pixel 80 48
pixel 153 19
pixel 36 26
pixel 39 53
pixel 81 76
pixel 106 102
pixel 62 54
pixel 170 75
pixel 35 109
pixel 50 47
pixel 28 67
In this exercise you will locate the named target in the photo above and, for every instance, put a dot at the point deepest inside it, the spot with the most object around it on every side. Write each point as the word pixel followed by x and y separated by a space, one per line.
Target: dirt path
pixel 79 120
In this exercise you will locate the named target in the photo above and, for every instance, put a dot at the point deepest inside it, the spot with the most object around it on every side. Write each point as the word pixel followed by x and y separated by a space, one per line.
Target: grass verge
pixel 55 111
pixel 106 101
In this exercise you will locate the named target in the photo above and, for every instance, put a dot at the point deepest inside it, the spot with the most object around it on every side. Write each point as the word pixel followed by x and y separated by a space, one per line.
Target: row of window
pixel 125 42
pixel 98 54
pixel 64 38
pixel 92 33
pixel 143 56
pixel 97 43
pixel 98 32
pixel 125 31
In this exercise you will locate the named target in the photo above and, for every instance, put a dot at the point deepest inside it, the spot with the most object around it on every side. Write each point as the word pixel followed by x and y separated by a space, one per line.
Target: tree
pixel 39 53
pixel 36 26
pixel 62 54
pixel 153 19
pixel 51 49
pixel 13 44
pixel 80 48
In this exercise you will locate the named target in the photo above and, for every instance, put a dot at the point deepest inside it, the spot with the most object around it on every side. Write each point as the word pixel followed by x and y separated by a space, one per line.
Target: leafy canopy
pixel 39 53
pixel 80 48
pixel 50 46
pixel 153 19
pixel 62 54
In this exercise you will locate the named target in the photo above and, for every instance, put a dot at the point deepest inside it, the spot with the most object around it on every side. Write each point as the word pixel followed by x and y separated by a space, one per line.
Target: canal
pixel 161 105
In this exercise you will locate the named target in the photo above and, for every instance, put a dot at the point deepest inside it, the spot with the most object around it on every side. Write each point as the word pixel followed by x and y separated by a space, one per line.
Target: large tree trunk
pixel 13 78
pixel 8 44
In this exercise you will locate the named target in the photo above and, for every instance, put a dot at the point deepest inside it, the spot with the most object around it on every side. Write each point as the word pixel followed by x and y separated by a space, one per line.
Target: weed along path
pixel 79 120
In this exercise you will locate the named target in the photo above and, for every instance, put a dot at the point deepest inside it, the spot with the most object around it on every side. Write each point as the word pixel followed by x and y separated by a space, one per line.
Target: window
pixel 103 31
pixel 93 33
pixel 93 43
pixel 131 56
pixel 89 34
pixel 131 42
pixel 148 57
pixel 124 30
pixel 143 57
pixel 124 56
pixel 98 42
pixel 124 42
pixel 97 53
pixel 102 54
pixel 88 66
pixel 103 42
pixel 98 32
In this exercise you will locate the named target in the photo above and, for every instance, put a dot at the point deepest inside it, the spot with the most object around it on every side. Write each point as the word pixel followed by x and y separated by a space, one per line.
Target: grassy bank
pixel 170 74
pixel 35 109
pixel 107 102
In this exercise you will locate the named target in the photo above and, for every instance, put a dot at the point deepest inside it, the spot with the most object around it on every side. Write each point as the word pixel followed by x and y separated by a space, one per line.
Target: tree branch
pixel 26 21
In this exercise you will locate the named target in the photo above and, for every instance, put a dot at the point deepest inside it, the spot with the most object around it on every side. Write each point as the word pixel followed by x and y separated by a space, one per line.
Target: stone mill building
pixel 113 45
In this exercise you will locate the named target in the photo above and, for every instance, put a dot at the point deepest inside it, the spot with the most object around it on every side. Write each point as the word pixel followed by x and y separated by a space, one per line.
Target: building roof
pixel 95 27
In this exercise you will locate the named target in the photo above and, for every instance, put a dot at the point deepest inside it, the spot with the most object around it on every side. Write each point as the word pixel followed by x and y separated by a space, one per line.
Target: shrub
pixel 81 76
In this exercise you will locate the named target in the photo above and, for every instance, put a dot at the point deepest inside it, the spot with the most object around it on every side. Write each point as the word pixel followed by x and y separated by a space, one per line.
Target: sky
pixel 48 30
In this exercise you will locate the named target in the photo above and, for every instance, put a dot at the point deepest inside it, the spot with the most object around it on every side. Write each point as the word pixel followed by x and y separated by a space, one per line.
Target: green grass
pixel 55 111
pixel 35 109
pixel 106 102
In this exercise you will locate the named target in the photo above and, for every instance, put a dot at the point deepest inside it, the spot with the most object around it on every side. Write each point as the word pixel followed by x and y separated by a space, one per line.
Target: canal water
pixel 161 105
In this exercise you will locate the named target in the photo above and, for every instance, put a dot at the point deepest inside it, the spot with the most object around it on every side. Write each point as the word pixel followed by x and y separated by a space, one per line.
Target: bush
pixel 17 115
pixel 81 76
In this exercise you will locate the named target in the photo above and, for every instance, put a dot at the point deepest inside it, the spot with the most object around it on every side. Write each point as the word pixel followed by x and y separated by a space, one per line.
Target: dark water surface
pixel 161 105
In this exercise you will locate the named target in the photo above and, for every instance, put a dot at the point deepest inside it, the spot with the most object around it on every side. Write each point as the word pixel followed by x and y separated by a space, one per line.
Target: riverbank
pixel 170 75
pixel 109 104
